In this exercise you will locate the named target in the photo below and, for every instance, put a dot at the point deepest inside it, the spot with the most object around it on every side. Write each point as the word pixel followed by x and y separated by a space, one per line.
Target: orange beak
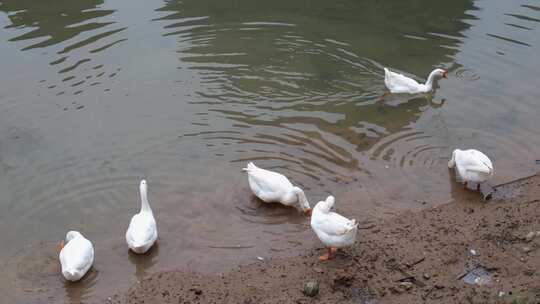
pixel 307 212
pixel 445 74
pixel 61 245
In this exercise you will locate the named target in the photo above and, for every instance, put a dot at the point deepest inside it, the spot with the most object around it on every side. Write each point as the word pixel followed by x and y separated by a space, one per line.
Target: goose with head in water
pixel 273 187
pixel 471 166
pixel 142 231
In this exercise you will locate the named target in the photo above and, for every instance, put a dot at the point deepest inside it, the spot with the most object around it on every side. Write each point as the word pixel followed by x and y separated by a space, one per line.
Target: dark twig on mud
pixel 415 262
pixel 366 227
pixel 462 275
pixel 410 278
pixel 514 181
pixel 407 276
pixel 406 279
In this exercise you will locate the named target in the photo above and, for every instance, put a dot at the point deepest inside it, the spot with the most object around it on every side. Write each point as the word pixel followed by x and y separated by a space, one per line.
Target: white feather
pixel 142 231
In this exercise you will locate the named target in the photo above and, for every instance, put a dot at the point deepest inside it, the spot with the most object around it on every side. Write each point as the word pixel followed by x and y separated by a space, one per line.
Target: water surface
pixel 96 95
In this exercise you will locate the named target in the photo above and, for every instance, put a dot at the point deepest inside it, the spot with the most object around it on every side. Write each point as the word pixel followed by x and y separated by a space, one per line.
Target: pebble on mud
pixel 311 288
pixel 406 285
pixel 530 236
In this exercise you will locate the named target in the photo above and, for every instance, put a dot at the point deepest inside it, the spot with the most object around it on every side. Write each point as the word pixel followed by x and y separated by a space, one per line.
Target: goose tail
pixel 489 169
pixel 452 161
pixel 139 248
pixel 386 73
pixel 250 167
pixel 352 225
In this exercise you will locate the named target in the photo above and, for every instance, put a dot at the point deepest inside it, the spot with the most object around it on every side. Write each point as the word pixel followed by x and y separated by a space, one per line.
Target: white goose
pixel 76 256
pixel 273 187
pixel 142 231
pixel 471 166
pixel 334 230
pixel 397 83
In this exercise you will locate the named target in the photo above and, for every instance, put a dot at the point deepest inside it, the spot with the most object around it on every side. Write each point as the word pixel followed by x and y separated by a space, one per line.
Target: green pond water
pixel 96 95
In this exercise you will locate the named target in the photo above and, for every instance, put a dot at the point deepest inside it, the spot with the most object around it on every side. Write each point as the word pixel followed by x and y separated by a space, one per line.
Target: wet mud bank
pixel 466 251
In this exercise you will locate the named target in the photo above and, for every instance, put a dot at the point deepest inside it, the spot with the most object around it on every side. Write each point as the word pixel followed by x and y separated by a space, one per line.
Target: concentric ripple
pixel 290 100
pixel 96 95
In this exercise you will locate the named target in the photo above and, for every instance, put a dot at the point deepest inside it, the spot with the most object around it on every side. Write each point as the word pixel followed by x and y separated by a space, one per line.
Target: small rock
pixel 317 269
pixel 260 258
pixel 311 288
pixel 406 285
pixel 526 249
pixel 197 291
pixel 426 276
pixel 473 252
pixel 530 236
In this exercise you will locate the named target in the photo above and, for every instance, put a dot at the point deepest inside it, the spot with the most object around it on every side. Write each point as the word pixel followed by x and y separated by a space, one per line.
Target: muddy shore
pixel 417 257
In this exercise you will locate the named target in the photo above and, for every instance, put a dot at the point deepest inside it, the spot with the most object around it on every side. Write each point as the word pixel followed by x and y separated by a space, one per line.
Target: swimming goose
pixel 471 166
pixel 334 230
pixel 397 83
pixel 142 231
pixel 273 187
pixel 76 256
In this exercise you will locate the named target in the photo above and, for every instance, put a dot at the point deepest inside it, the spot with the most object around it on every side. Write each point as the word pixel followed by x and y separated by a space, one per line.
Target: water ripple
pixel 72 30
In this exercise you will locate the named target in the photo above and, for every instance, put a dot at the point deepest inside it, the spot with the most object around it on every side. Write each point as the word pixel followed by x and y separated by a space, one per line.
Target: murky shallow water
pixel 96 95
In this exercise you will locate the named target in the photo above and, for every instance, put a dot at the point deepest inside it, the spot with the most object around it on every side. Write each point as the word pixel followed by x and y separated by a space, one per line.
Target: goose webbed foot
pixel 327 256
pixel 381 99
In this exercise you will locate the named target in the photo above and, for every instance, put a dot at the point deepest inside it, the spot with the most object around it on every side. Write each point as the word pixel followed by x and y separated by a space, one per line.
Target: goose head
pixel 72 234
pixel 303 203
pixel 143 187
pixel 326 205
pixel 440 73
pixel 433 76
pixel 145 205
